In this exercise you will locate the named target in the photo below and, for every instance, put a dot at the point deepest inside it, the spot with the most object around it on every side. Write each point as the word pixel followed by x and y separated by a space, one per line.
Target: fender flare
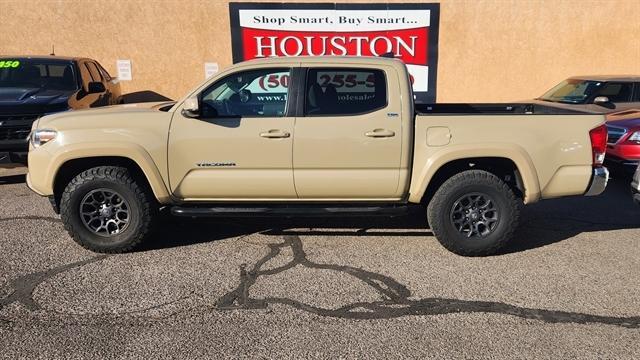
pixel 448 154
pixel 131 151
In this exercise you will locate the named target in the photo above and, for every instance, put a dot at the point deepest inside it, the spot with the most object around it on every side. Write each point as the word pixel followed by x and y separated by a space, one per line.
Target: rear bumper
pixel 599 180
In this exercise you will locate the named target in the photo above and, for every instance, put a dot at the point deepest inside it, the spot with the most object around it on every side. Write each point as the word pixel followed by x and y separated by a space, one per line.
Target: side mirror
pixel 600 100
pixel 191 108
pixel 95 87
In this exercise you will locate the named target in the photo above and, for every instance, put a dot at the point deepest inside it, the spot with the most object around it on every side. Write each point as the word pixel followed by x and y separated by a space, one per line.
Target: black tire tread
pixel 473 177
pixel 116 174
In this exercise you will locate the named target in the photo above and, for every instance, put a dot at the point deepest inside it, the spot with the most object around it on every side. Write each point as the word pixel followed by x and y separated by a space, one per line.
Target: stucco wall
pixel 494 50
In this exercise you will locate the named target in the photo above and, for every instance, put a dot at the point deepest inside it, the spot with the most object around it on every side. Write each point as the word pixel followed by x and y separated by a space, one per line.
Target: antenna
pixel 53 50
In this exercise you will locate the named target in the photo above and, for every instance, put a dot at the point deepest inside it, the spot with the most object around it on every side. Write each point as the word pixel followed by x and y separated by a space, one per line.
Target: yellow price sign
pixel 4 64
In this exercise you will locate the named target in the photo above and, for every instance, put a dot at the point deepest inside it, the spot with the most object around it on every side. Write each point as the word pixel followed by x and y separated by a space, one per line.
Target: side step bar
pixel 289 211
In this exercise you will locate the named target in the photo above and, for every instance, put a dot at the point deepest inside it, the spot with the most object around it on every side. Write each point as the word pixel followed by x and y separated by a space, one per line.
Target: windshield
pixel 572 91
pixel 37 73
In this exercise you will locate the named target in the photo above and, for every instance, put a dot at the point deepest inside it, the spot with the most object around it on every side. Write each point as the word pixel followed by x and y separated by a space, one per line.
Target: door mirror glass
pixel 601 100
pixel 191 108
pixel 95 87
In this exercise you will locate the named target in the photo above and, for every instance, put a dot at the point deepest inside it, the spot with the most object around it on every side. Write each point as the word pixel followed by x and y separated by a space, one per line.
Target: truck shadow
pixel 12 179
pixel 552 221
pixel 175 231
pixel 543 223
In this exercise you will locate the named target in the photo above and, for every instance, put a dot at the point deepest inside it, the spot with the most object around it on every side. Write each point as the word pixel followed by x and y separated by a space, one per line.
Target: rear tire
pixel 474 213
pixel 105 210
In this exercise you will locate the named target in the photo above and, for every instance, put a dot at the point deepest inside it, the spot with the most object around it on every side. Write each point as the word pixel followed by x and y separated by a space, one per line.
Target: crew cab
pixel 34 86
pixel 312 136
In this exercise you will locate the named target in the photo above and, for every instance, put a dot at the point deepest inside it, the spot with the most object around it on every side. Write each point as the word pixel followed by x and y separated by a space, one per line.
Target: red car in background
pixel 623 145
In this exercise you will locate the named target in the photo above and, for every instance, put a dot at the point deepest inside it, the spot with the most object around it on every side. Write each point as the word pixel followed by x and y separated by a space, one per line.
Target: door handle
pixel 380 133
pixel 275 134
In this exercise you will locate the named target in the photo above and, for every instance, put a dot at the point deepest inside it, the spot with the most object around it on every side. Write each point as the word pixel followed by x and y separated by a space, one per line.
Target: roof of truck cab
pixel 329 60
pixel 608 77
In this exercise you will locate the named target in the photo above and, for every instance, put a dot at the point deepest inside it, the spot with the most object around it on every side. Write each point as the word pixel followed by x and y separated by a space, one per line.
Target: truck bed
pixel 492 109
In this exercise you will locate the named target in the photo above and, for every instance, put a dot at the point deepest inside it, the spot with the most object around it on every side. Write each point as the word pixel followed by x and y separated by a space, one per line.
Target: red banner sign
pixel 408 31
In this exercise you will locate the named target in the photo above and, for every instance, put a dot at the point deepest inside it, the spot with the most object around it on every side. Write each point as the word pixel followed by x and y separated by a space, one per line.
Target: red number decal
pixel 273 81
pixel 284 80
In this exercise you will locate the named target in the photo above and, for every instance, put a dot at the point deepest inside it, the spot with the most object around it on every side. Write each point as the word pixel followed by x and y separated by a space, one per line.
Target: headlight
pixel 634 137
pixel 42 136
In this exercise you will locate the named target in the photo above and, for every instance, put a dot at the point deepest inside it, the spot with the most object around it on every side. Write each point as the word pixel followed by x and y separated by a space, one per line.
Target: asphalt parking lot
pixel 568 287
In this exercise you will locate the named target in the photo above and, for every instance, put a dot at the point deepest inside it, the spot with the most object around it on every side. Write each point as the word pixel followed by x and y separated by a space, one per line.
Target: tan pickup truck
pixel 325 136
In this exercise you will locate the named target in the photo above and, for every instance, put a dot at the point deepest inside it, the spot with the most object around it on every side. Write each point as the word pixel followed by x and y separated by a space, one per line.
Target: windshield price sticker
pixel 9 64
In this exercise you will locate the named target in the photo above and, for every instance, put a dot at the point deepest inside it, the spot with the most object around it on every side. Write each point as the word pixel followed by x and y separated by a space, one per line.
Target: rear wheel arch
pixel 504 168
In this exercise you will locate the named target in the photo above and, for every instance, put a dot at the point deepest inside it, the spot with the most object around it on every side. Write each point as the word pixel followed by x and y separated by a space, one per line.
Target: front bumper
pixel 599 180
pixel 13 157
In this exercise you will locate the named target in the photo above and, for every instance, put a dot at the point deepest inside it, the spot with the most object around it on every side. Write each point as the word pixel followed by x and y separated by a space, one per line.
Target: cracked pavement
pixel 357 288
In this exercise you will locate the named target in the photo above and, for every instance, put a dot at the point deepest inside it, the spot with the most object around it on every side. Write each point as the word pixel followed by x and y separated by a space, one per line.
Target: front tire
pixel 474 213
pixel 106 210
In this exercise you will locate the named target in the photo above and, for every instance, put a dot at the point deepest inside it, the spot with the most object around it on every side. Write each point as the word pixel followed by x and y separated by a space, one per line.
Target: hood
pixel 626 123
pixel 99 114
pixel 586 108
pixel 33 100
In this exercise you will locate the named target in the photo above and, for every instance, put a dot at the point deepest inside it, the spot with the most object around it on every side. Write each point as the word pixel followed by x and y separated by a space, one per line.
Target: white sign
pixel 335 20
pixel 409 32
pixel 124 69
pixel 210 69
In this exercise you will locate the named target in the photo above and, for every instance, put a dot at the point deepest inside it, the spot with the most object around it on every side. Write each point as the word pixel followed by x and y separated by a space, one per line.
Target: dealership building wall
pixel 489 51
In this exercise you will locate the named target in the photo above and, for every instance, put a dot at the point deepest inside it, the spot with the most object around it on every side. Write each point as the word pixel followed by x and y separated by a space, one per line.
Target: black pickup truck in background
pixel 33 86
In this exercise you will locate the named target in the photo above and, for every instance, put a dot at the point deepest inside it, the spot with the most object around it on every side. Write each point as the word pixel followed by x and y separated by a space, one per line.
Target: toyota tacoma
pixel 312 136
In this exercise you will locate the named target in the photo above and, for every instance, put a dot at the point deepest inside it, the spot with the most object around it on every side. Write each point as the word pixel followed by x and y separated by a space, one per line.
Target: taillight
pixel 598 138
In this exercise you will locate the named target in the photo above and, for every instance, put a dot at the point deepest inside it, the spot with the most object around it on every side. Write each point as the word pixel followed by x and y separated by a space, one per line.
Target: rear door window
pixel 344 91
pixel 105 73
pixel 85 74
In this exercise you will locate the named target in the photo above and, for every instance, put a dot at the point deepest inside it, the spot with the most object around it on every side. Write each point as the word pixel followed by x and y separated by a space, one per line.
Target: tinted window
pixel 35 73
pixel 95 74
pixel 572 91
pixel 617 92
pixel 84 73
pixel 636 97
pixel 255 93
pixel 344 91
